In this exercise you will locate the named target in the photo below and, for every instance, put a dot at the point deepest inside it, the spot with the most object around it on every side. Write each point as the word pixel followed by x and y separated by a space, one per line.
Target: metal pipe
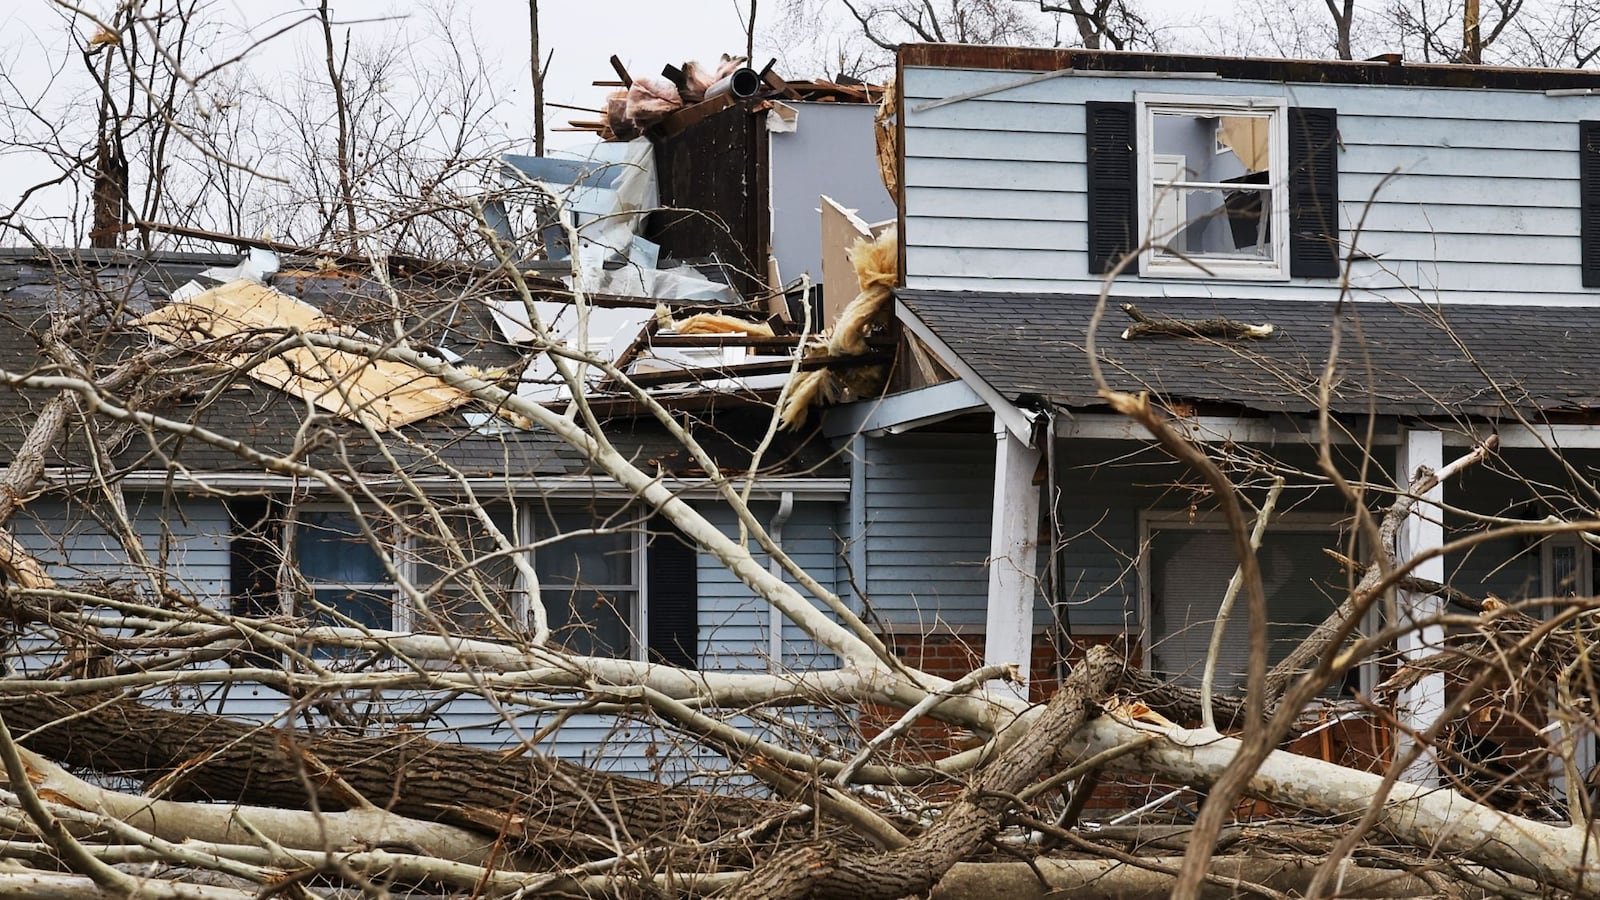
pixel 742 84
pixel 775 622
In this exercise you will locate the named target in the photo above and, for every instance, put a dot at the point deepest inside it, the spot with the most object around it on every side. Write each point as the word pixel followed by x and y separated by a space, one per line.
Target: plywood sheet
pixel 379 393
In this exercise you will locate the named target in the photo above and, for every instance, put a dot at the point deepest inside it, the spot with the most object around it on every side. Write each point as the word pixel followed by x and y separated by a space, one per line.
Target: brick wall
pixel 1355 742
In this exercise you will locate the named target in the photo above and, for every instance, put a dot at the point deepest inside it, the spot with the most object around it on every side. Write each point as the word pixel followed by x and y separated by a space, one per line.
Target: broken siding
pixel 1484 208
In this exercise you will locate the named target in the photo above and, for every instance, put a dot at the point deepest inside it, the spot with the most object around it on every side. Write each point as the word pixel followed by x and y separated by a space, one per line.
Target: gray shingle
pixel 1394 358
pixel 105 290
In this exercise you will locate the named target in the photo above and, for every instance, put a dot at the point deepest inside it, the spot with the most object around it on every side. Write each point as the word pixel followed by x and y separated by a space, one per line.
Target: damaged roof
pixel 106 292
pixel 1404 359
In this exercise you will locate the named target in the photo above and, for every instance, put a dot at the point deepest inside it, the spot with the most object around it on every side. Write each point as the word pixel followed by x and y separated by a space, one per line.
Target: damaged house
pixel 466 508
pixel 1425 228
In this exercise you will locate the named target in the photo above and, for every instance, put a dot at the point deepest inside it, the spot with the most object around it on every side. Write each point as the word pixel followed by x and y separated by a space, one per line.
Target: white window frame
pixel 1585 751
pixel 1277 109
pixel 1153 520
pixel 1583 556
pixel 407 561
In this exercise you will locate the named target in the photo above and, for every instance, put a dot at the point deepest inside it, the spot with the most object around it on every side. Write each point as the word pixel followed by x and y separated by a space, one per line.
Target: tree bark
pixel 558 807
pixel 1440 821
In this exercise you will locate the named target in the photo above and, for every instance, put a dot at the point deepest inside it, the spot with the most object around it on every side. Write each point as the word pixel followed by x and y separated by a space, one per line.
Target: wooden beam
pixel 774 367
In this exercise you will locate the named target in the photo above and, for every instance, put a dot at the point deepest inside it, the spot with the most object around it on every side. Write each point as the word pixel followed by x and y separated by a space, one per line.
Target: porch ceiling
pixel 1403 359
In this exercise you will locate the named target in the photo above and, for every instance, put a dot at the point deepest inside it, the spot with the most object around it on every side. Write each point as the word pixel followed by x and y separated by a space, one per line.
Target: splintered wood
pixel 378 393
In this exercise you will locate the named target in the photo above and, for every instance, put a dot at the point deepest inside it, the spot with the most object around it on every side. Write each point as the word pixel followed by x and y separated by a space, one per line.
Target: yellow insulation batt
pixel 379 393
pixel 717 323
pixel 876 264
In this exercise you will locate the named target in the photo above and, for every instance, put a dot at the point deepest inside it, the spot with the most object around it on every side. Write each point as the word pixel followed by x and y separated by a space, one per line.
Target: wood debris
pixel 1220 328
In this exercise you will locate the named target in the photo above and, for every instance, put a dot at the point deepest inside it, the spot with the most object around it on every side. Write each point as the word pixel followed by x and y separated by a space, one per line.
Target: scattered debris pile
pixel 665 104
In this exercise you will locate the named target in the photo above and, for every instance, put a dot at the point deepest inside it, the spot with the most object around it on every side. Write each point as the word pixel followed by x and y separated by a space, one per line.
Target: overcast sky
pixel 39 63
pixel 645 34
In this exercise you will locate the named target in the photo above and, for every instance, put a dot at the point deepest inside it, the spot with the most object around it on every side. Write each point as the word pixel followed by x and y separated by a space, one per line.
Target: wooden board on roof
pixel 381 394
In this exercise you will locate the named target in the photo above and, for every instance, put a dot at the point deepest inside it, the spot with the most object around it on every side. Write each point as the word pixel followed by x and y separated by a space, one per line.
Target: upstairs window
pixel 1215 195
pixel 1241 187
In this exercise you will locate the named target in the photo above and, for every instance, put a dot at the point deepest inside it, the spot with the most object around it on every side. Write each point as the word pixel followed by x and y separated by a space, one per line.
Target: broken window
pixel 1213 189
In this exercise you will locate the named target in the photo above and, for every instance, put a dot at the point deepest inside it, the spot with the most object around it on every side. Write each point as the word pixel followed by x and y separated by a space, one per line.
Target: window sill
pixel 1212 272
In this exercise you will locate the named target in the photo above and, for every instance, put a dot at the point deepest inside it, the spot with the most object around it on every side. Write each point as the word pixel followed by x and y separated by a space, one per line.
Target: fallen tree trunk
pixel 559 808
pixel 1440 821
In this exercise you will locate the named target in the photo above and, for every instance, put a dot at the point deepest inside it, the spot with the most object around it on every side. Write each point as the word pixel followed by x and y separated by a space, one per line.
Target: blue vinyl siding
pixel 186 542
pixel 1462 195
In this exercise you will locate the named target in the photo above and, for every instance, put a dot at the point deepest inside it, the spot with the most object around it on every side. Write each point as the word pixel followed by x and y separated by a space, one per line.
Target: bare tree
pixel 539 66
pixel 881 25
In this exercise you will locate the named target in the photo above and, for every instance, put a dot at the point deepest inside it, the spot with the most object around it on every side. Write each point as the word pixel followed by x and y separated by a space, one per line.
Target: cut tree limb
pixel 1437 820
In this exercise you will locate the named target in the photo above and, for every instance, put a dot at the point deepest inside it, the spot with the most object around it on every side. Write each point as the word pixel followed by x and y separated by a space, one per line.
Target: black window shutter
pixel 673 589
pixel 1589 202
pixel 254 548
pixel 1314 250
pixel 1111 136
pixel 253 555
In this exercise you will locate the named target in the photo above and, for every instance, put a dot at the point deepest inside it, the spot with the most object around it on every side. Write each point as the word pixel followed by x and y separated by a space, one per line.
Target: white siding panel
pixel 1508 163
pixel 1023 146
pixel 734 622
pixel 992 174
pixel 1041 118
pixel 1473 106
pixel 185 540
pixel 979 206
pixel 1356 188
pixel 952 231
pixel 928 511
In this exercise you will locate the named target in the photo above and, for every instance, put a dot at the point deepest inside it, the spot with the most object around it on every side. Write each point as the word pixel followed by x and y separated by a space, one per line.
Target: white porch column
pixel 1420 705
pixel 1013 553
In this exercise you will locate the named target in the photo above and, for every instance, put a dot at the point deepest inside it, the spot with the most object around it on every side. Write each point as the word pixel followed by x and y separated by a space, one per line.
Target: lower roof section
pixel 1402 359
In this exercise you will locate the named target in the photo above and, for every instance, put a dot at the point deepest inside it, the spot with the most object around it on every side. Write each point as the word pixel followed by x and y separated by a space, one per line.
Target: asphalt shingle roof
pixel 1395 358
pixel 105 291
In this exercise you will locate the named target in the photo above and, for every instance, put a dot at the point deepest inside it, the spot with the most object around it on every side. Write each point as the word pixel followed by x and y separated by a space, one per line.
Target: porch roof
pixel 1405 359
